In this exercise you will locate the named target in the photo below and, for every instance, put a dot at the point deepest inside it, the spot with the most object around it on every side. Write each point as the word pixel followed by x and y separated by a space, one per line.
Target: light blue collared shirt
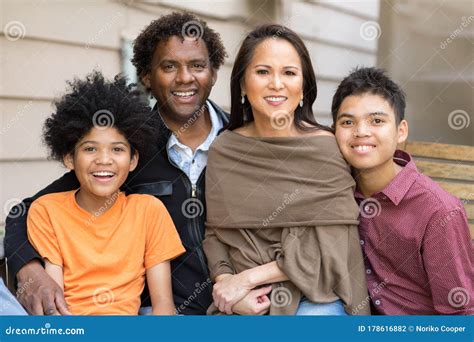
pixel 181 155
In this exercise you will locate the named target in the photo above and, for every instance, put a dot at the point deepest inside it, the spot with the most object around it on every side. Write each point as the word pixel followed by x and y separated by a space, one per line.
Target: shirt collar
pixel 399 186
pixel 216 125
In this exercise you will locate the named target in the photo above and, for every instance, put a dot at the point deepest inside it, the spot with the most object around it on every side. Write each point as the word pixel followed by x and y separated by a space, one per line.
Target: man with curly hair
pixel 177 58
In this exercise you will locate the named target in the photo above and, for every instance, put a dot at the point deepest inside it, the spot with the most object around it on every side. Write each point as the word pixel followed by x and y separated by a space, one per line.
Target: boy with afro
pixel 97 243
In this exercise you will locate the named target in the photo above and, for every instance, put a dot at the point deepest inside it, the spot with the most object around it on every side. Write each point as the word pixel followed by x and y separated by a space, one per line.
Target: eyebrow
pixel 172 61
pixel 348 115
pixel 96 142
pixel 268 66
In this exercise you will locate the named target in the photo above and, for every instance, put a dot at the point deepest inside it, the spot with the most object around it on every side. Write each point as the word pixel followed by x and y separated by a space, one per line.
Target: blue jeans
pixel 308 308
pixel 8 303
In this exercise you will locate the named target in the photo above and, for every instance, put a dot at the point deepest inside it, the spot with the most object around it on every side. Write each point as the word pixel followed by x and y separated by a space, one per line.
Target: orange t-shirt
pixel 104 257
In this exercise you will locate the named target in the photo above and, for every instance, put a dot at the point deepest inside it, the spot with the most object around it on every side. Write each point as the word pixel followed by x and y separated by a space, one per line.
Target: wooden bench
pixel 451 166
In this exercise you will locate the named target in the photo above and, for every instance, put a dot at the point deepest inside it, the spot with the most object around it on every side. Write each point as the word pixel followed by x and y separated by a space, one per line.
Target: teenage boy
pixel 414 235
pixel 179 71
pixel 84 234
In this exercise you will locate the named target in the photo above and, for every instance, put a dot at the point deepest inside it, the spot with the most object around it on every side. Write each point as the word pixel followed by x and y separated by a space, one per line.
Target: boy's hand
pixel 256 302
pixel 38 292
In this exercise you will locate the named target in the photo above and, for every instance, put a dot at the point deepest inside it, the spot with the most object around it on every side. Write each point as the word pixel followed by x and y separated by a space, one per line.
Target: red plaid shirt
pixel 417 247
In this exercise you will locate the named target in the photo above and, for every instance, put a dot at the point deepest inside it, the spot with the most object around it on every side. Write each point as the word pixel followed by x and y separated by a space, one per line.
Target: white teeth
pixel 184 94
pixel 276 98
pixel 363 148
pixel 103 174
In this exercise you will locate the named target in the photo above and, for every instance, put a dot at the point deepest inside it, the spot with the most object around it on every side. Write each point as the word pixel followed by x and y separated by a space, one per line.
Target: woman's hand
pixel 229 289
pixel 256 302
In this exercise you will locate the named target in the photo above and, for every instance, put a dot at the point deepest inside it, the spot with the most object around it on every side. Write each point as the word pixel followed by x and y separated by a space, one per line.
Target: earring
pixel 242 99
pixel 301 102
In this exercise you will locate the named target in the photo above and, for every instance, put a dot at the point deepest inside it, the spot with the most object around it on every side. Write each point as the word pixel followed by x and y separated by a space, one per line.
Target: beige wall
pixel 65 39
pixel 428 47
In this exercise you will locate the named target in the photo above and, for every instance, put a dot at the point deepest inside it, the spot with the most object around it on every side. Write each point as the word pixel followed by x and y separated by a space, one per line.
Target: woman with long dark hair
pixel 281 214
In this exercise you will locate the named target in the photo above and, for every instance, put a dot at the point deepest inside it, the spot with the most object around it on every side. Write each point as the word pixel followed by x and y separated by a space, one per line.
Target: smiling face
pixel 102 160
pixel 367 131
pixel 181 78
pixel 273 80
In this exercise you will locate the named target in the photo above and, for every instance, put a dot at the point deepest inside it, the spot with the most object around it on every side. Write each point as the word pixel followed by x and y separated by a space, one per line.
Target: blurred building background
pixel 426 46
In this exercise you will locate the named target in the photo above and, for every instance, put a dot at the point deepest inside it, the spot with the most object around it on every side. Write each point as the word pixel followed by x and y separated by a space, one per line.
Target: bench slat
pixel 460 190
pixel 446 170
pixel 469 211
pixel 441 151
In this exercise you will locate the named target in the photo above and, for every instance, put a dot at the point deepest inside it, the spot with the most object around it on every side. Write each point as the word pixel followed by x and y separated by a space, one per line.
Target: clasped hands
pixel 236 294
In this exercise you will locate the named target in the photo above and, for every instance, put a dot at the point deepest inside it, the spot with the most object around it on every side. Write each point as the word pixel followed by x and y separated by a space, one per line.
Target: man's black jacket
pixel 156 176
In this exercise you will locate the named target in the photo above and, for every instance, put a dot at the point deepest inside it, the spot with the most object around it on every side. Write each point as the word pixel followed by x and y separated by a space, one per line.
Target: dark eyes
pixel 265 72
pixel 195 66
pixel 350 122
pixel 93 149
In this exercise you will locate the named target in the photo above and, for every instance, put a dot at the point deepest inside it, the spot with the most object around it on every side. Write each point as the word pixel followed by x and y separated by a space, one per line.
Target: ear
pixel 214 76
pixel 402 131
pixel 242 88
pixel 134 162
pixel 68 161
pixel 146 80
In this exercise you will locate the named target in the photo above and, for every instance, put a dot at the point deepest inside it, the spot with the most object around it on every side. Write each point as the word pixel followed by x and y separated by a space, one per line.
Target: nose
pixel 276 82
pixel 184 75
pixel 103 157
pixel 362 130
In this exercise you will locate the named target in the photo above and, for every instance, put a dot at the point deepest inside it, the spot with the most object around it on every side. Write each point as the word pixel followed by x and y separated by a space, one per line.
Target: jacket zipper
pixel 195 233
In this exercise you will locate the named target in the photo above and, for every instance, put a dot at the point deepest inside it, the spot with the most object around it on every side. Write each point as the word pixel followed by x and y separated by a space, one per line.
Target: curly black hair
pixel 178 24
pixel 93 102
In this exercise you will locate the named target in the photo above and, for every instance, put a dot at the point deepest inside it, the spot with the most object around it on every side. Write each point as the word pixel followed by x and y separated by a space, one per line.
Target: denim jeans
pixel 8 303
pixel 308 308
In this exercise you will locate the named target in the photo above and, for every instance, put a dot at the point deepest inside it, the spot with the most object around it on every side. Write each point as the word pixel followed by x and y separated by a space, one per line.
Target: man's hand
pixel 256 302
pixel 38 292
pixel 229 289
